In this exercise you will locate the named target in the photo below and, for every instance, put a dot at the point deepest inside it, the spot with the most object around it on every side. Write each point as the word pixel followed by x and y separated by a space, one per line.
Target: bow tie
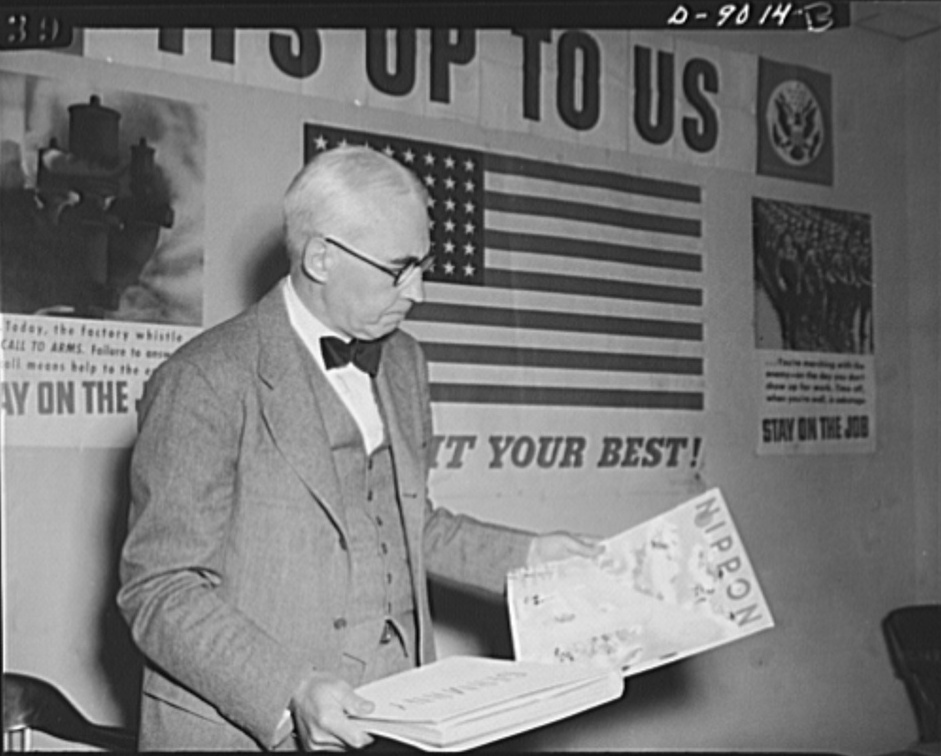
pixel 363 354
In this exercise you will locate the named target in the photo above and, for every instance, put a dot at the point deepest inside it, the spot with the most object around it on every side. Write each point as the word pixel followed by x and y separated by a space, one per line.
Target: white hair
pixel 321 196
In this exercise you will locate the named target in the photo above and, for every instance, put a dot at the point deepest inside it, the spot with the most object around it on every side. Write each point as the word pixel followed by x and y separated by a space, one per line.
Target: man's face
pixel 362 301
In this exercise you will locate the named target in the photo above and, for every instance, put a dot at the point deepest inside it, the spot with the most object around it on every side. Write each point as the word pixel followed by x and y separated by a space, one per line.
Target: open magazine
pixel 463 702
pixel 671 587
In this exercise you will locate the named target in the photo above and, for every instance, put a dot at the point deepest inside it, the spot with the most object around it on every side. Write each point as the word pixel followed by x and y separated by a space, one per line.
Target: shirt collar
pixel 307 325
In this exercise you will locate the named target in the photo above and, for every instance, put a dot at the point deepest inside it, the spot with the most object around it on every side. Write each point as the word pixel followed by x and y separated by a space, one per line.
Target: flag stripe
pixel 498 259
pixel 570 397
pixel 556 321
pixel 592 250
pixel 575 306
pixel 514 375
pixel 537 339
pixel 559 358
pixel 596 287
pixel 567 228
pixel 611 216
pixel 622 182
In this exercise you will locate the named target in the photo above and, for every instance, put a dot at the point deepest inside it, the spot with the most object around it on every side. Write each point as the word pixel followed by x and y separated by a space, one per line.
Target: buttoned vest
pixel 380 587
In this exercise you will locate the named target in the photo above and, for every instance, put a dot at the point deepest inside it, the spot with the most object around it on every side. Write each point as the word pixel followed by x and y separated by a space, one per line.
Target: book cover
pixel 462 702
pixel 676 585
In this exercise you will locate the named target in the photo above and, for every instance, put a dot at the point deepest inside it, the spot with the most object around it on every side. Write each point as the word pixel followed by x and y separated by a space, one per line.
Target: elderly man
pixel 281 534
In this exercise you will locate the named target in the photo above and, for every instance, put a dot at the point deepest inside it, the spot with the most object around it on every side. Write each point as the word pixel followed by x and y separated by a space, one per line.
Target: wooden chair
pixel 33 704
pixel 913 637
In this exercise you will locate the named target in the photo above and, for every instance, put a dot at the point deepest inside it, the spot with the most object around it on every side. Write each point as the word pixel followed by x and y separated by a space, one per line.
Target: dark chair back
pixel 913 636
pixel 33 704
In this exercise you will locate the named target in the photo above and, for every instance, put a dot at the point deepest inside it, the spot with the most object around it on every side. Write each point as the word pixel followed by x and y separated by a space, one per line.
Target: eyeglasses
pixel 399 274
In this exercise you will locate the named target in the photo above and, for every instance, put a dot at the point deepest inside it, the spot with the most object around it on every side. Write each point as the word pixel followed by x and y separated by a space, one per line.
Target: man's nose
pixel 414 288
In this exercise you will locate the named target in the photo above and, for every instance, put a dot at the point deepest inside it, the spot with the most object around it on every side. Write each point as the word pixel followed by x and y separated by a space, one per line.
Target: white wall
pixel 923 166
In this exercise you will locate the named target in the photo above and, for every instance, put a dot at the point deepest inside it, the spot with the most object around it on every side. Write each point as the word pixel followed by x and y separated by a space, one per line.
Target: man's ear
pixel 314 260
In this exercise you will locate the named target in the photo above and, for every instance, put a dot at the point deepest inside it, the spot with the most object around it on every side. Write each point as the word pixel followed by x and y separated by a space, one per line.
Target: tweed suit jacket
pixel 235 570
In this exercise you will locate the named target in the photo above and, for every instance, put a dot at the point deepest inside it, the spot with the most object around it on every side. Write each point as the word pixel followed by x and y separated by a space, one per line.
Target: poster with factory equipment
pixel 101 253
pixel 679 584
pixel 814 329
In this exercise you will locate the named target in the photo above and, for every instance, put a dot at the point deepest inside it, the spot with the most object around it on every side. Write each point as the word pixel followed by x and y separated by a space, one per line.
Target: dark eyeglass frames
pixel 399 275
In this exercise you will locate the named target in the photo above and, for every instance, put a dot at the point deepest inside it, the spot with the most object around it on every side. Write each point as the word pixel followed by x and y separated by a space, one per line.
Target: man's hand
pixel 550 547
pixel 321 708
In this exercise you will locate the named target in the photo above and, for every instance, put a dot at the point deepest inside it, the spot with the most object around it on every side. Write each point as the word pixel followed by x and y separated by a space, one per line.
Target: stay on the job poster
pixel 814 329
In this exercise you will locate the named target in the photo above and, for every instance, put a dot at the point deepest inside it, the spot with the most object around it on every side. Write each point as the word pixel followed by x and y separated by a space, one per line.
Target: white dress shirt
pixel 353 386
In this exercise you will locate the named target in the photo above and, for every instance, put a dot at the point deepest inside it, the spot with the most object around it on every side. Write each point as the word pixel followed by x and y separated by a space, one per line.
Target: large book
pixel 676 585
pixel 463 702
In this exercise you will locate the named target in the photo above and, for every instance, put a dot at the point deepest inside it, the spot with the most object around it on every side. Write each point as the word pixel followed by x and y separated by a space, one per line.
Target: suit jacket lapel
pixel 290 406
pixel 393 385
pixel 395 389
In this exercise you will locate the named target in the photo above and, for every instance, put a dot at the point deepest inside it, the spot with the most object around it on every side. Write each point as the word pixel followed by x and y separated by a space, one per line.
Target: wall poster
pixel 814 329
pixel 101 249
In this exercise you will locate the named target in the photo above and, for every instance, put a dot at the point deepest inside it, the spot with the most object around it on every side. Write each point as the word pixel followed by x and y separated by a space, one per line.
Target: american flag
pixel 553 284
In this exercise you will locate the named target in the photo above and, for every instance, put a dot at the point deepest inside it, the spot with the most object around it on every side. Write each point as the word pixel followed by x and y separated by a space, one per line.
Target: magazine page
pixel 676 585
pixel 502 721
pixel 462 686
pixel 462 702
